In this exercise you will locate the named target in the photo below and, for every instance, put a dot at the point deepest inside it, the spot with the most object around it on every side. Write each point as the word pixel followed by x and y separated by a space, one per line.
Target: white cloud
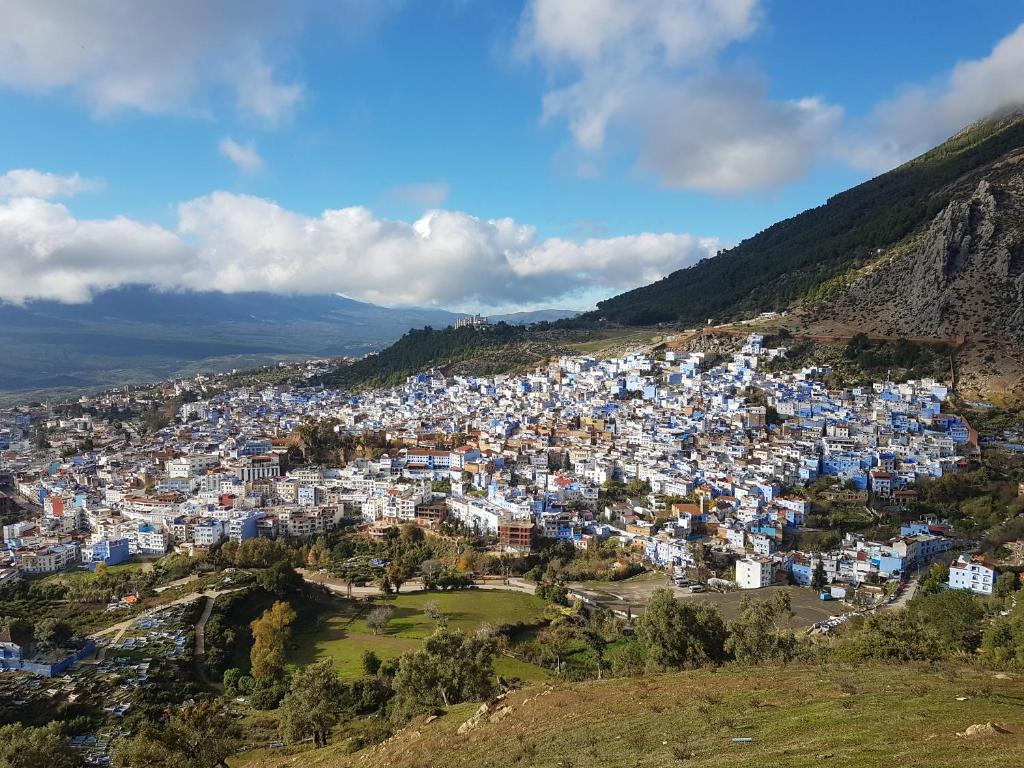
pixel 236 243
pixel 260 96
pixel 427 194
pixel 633 34
pixel 640 75
pixel 245 157
pixel 614 46
pixel 150 55
pixel 923 115
pixel 445 258
pixel 26 182
pixel 721 134
pixel 47 253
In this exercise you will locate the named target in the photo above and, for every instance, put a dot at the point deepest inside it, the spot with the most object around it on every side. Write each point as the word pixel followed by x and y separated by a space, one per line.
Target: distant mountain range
pixel 934 248
pixel 137 334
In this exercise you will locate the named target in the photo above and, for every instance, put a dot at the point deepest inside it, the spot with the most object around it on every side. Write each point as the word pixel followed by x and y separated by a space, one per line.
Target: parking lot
pixel 632 595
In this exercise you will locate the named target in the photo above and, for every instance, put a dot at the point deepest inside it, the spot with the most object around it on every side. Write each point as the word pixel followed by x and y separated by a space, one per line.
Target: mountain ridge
pixel 135 333
pixel 779 265
pixel 933 249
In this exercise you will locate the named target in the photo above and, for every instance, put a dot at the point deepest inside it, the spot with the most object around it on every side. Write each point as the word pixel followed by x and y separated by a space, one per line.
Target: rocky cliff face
pixel 960 277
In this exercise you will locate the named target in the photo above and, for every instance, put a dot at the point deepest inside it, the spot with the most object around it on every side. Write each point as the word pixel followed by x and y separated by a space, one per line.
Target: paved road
pixel 905 597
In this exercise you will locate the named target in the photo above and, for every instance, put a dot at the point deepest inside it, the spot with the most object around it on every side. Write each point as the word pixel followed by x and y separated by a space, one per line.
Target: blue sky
pixel 622 139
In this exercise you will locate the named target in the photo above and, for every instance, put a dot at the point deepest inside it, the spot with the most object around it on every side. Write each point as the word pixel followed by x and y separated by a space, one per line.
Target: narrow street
pixel 905 596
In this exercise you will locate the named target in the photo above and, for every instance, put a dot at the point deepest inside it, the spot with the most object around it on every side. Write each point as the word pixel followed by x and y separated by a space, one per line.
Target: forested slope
pixel 784 262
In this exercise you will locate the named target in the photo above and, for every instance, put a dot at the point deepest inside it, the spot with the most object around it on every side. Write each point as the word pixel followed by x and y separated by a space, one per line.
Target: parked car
pixel 697 588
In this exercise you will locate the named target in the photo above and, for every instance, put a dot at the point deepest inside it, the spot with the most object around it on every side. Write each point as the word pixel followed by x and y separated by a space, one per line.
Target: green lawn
pixel 340 633
pixel 511 668
pixel 79 576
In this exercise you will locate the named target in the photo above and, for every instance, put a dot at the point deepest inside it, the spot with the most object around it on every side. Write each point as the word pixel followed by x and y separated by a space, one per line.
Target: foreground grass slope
pixel 796 716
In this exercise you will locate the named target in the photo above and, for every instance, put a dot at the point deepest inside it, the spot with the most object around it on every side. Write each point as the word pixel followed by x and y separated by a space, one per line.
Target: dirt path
pixel 201 626
pixel 122 626
pixel 176 583
pixel 340 587
pixel 682 339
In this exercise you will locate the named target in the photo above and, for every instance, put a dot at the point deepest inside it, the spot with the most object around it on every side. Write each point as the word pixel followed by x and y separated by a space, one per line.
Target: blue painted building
pixel 802 573
pixel 11 660
pixel 110 551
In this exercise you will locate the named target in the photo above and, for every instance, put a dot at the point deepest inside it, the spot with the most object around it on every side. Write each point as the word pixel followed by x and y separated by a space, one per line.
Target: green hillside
pixel 484 351
pixel 860 716
pixel 773 268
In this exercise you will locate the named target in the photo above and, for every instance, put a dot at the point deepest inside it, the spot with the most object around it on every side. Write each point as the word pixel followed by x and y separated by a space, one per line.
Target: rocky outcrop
pixel 960 277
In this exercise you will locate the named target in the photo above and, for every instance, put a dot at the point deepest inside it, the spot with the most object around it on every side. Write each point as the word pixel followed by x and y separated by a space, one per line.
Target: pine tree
pixel 818 580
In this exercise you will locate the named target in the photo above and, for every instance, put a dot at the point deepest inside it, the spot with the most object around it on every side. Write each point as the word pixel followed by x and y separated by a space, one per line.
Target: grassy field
pixel 85 575
pixel 863 717
pixel 616 342
pixel 339 631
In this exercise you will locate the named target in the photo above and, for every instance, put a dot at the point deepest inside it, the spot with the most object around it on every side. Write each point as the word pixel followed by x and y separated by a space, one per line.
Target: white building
pixel 972 572
pixel 192 465
pixel 395 505
pixel 48 559
pixel 753 572
pixel 14 530
pixel 475 513
pixel 259 468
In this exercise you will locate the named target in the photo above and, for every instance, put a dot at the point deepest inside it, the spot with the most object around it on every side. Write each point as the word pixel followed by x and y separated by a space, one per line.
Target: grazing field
pixel 868 716
pixel 339 631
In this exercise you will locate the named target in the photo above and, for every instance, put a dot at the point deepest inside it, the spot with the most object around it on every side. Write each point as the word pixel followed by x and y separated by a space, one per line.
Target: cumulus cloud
pixel 740 141
pixel 234 243
pixel 244 156
pixel 427 194
pixel 444 258
pixel 45 252
pixel 26 182
pixel 920 116
pixel 150 55
pixel 612 45
pixel 644 73
pixel 643 77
